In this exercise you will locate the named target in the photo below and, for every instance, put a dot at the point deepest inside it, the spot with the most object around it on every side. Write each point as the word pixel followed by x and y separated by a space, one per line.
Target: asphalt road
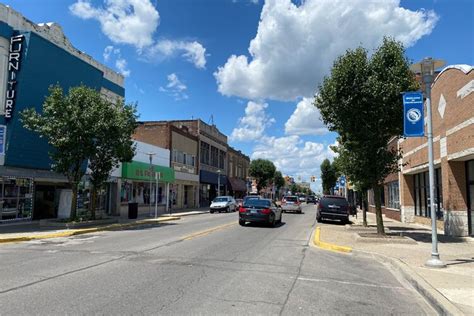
pixel 201 265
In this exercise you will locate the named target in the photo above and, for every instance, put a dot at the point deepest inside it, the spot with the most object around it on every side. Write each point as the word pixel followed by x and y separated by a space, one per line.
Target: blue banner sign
pixel 2 139
pixel 342 180
pixel 413 117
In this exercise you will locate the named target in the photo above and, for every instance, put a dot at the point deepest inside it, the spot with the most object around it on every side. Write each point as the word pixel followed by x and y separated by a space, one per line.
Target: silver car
pixel 223 204
pixel 291 203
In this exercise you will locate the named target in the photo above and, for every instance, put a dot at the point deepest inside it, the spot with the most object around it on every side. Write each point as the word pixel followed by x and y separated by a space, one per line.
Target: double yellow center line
pixel 208 231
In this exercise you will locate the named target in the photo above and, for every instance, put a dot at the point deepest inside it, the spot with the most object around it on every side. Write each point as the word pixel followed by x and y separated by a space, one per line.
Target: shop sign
pixel 14 59
pixel 413 120
pixel 3 132
pixel 141 171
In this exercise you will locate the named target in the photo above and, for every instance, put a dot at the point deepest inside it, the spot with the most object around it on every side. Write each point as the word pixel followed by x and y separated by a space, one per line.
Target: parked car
pixel 291 203
pixel 311 199
pixel 260 211
pixel 223 204
pixel 251 197
pixel 302 198
pixel 333 207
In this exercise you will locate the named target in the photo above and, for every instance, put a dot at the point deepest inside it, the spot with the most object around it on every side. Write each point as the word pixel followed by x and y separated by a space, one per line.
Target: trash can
pixel 132 210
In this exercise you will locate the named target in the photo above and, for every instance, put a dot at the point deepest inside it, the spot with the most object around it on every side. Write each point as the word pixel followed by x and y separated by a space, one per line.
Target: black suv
pixel 333 207
pixel 311 199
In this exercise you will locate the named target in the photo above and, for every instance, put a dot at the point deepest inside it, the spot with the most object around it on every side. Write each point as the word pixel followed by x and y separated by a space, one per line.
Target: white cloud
pixel 120 62
pixel 130 22
pixel 134 22
pixel 293 156
pixel 296 45
pixel 175 88
pixel 193 52
pixel 121 65
pixel 253 124
pixel 305 120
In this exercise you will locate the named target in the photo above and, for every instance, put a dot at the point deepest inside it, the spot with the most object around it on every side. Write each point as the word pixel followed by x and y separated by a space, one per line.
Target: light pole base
pixel 435 263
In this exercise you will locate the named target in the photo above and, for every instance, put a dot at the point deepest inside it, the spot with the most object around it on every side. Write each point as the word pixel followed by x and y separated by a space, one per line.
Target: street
pixel 206 265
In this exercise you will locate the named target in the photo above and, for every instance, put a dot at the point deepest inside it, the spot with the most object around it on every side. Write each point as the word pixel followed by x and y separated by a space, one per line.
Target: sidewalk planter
pixel 132 210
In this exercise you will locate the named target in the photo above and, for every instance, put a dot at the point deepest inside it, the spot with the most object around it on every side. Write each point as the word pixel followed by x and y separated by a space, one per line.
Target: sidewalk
pixel 408 248
pixel 32 230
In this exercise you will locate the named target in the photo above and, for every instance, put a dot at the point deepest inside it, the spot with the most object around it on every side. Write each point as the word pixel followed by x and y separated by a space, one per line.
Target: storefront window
pixel 393 195
pixel 422 192
pixel 16 197
pixel 139 192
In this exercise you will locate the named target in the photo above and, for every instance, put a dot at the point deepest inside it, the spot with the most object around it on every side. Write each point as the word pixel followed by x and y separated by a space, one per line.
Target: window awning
pixel 238 184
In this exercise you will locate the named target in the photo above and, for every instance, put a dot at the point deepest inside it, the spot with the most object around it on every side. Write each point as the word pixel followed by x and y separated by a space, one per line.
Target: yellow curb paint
pixel 327 246
pixel 208 231
pixel 74 232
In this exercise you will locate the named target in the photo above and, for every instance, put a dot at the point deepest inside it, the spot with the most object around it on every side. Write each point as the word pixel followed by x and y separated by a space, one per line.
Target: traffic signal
pixel 313 179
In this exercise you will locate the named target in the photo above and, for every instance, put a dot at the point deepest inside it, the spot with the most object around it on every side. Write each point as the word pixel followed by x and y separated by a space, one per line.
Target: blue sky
pixel 251 66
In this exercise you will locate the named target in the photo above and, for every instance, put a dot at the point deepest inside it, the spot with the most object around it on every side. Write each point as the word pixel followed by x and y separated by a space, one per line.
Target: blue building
pixel 33 57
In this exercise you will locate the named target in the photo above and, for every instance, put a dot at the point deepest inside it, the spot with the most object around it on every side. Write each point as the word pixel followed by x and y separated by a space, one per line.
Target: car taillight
pixel 266 211
pixel 242 210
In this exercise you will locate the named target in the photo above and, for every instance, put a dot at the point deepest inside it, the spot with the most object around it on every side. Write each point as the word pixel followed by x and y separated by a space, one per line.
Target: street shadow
pixel 461 261
pixel 263 225
pixel 144 226
pixel 423 235
pixel 335 222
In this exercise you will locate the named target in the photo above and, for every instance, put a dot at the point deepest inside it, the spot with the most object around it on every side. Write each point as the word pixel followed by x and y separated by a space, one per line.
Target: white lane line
pixel 353 283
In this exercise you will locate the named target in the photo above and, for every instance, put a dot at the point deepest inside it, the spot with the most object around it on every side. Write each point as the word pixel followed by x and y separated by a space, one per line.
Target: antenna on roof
pixel 211 120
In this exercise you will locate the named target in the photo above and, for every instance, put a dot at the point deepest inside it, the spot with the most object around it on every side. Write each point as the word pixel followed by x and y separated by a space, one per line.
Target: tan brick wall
pixel 153 133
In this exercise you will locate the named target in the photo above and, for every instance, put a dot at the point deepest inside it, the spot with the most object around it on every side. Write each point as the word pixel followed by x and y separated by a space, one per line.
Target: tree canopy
pixel 361 101
pixel 263 171
pixel 80 126
pixel 328 176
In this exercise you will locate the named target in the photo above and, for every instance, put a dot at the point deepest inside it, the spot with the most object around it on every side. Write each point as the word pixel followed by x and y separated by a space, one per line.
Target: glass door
pixel 470 196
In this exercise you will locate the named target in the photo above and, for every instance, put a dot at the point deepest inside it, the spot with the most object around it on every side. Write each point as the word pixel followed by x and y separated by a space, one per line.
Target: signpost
pixel 413 116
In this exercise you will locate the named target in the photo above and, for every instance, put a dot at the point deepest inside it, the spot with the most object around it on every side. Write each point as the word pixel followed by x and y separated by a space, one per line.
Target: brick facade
pixel 452 101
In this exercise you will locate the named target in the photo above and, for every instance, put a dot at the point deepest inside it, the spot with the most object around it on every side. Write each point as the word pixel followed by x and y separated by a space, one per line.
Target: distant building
pixel 237 172
pixel 184 148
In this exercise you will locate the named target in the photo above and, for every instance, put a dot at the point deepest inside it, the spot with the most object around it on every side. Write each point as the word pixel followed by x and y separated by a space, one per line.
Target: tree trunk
pixel 365 208
pixel 92 202
pixel 378 209
pixel 73 214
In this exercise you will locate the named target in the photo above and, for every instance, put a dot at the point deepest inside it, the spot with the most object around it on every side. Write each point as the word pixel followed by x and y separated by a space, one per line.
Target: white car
pixel 223 204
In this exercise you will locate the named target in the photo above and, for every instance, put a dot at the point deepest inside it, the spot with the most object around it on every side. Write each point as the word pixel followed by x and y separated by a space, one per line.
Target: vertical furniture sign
pixel 3 136
pixel 14 60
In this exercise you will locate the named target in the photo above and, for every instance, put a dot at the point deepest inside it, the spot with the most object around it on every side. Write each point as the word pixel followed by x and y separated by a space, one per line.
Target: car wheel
pixel 212 212
pixel 241 222
pixel 227 210
pixel 271 220
pixel 319 218
pixel 279 221
pixel 299 212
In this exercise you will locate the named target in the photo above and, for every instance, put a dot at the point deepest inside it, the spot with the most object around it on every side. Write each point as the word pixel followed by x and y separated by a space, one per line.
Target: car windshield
pixel 291 198
pixel 334 201
pixel 257 203
pixel 221 199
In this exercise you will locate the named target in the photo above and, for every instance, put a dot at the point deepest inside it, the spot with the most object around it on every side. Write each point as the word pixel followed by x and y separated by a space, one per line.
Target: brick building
pixel 237 172
pixel 183 146
pixel 452 101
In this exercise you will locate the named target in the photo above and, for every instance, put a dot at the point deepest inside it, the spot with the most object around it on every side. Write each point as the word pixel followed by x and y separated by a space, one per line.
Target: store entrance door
pixel 45 202
pixel 470 196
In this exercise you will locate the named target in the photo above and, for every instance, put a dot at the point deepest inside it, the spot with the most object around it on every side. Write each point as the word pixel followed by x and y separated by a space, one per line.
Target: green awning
pixel 141 171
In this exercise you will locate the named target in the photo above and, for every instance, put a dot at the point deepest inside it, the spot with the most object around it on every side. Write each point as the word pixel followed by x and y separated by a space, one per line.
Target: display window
pixel 16 198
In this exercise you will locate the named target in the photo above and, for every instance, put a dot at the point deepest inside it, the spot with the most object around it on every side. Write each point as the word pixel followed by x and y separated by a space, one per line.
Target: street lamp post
pixel 219 182
pixel 427 67
pixel 157 177
pixel 150 155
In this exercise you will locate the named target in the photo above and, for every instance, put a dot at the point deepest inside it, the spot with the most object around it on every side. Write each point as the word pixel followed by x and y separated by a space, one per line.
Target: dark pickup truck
pixel 333 207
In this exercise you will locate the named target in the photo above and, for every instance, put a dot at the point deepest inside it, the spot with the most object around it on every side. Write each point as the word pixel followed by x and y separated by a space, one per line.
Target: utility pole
pixel 150 155
pixel 426 67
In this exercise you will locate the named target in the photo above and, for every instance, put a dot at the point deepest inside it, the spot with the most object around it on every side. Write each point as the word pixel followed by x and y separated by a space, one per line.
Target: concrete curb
pixel 437 300
pixel 74 232
pixel 327 246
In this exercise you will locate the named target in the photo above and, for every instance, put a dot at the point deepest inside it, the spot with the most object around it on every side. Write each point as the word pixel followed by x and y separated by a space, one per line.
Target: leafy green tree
pixel 74 125
pixel 115 124
pixel 361 101
pixel 278 181
pixel 328 176
pixel 263 171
